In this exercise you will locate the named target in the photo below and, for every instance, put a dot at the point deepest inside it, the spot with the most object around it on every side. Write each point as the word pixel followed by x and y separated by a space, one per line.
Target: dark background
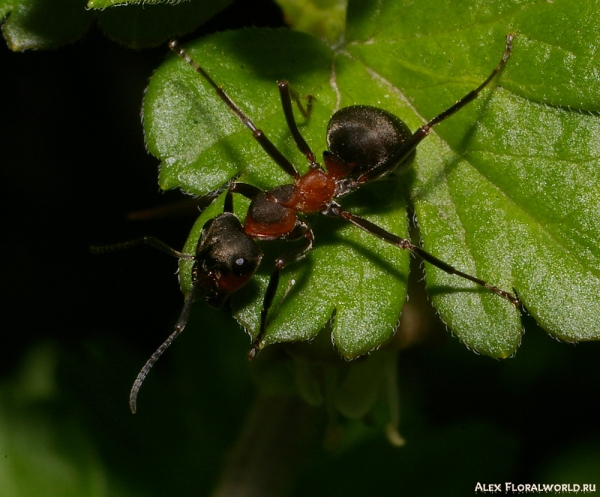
pixel 74 165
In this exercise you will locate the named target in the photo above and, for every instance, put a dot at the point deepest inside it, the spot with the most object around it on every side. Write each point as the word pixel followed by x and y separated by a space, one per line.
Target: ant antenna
pixel 179 326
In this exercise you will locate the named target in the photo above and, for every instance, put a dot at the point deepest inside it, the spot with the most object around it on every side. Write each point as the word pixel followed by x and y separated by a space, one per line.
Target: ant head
pixel 226 258
pixel 368 140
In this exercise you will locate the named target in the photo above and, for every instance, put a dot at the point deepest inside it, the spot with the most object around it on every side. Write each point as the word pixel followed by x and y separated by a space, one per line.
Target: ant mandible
pixel 365 143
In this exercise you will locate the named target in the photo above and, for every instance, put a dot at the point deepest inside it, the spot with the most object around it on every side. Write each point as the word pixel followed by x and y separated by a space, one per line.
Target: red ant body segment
pixel 365 143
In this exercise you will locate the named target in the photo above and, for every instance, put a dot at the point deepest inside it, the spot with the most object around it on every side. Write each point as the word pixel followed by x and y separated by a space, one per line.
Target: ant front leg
pixel 294 255
pixel 336 211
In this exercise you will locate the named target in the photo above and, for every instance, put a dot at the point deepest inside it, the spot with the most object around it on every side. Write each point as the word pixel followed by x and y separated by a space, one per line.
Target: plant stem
pixel 271 448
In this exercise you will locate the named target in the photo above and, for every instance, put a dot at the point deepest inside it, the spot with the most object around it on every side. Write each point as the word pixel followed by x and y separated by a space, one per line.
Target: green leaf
pixel 43 24
pixel 149 24
pixel 324 19
pixel 506 190
pixel 102 4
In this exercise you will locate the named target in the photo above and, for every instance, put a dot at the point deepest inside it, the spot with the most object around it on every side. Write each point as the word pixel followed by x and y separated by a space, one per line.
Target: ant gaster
pixel 365 143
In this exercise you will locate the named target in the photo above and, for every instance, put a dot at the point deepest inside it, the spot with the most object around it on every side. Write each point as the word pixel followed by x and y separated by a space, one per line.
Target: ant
pixel 365 144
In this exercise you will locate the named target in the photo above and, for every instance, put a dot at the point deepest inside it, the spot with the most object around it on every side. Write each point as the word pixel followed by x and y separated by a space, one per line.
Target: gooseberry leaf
pixel 143 24
pixel 324 19
pixel 506 190
pixel 102 4
pixel 44 24
pixel 345 263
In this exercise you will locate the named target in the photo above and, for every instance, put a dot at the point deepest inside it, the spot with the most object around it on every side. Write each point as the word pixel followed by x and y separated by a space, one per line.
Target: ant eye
pixel 242 266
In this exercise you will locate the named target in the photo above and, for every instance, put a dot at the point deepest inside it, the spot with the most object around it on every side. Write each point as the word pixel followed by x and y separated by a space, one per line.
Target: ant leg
pixel 296 97
pixel 294 255
pixel 201 203
pixel 472 95
pixel 287 94
pixel 405 244
pixel 259 136
pixel 146 240
pixel 181 207
pixel 179 327
pixel 248 191
pixel 228 204
pixel 411 143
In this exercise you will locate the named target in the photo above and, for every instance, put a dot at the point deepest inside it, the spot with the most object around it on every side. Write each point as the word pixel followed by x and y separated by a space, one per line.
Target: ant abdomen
pixel 368 139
